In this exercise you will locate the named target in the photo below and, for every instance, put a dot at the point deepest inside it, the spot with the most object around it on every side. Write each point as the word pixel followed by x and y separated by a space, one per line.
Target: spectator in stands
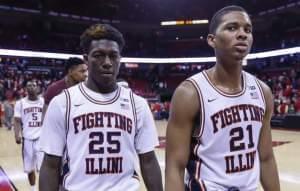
pixel 8 106
pixel 291 106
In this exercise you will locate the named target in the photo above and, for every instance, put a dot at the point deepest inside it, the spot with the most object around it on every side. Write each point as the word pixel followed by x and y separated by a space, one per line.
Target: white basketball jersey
pixel 224 151
pixel 104 155
pixel 30 113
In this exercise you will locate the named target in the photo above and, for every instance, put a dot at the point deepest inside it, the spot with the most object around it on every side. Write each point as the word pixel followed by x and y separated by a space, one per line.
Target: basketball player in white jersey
pixel 102 128
pixel 219 126
pixel 28 124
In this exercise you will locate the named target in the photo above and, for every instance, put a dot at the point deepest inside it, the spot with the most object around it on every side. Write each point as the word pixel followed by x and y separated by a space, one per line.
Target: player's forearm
pixel 49 179
pixel 151 174
pixel 152 177
pixel 269 175
pixel 49 173
pixel 174 179
pixel 17 128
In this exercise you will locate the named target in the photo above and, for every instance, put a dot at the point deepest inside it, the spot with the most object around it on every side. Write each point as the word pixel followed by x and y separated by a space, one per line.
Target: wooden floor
pixel 287 154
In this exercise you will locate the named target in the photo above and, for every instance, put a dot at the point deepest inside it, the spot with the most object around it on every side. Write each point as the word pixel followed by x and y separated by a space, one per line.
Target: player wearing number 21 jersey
pixel 218 134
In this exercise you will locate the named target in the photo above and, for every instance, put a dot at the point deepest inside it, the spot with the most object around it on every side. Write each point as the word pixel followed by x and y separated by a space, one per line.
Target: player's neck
pixel 69 81
pixel 230 77
pixel 100 88
pixel 32 97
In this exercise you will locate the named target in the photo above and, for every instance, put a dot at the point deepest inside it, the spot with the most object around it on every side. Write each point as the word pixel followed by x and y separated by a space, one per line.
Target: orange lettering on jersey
pixel 240 162
pixel 100 120
pixel 34 124
pixel 109 165
pixel 33 109
pixel 236 114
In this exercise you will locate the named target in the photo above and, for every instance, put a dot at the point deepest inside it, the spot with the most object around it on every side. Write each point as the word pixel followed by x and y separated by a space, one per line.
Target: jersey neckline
pixel 99 98
pixel 225 93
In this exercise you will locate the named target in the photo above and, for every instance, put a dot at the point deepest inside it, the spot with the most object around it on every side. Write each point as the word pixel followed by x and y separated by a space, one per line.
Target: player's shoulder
pixel 53 89
pixel 187 90
pixel 18 102
pixel 59 100
pixel 74 89
pixel 55 84
pixel 41 98
pixel 265 88
pixel 139 100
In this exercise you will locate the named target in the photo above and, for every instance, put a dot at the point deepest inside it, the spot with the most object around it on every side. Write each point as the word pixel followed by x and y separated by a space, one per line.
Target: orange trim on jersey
pixel 224 93
pixel 197 174
pixel 203 187
pixel 190 184
pixel 85 94
pixel 196 148
pixel 133 110
pixel 67 124
pixel 136 177
pixel 261 93
pixel 68 110
pixel 202 118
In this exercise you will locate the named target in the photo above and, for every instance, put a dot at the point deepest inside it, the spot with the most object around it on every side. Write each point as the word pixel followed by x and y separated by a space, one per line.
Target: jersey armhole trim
pixel 201 104
pixel 261 93
pixel 67 123
pixel 134 111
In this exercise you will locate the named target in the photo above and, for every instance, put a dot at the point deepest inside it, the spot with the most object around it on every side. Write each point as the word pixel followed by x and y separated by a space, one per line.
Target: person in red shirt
pixel 75 70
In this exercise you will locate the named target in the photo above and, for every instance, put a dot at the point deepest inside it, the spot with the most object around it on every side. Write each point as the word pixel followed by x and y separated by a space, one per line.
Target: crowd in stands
pixel 282 74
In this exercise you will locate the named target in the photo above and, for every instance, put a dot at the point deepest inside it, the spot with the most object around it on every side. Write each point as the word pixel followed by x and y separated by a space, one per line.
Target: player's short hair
pixel 30 81
pixel 71 62
pixel 217 18
pixel 98 32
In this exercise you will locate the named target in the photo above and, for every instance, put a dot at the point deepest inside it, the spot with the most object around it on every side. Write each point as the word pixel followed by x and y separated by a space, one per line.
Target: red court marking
pixel 278 143
pixel 5 183
pixel 162 142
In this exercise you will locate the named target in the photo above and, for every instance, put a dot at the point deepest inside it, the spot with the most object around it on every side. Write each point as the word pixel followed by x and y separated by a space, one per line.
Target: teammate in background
pixel 28 123
pixel 102 127
pixel 219 126
pixel 75 70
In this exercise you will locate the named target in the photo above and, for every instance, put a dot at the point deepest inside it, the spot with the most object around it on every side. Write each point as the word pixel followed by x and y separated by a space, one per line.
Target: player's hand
pixel 18 139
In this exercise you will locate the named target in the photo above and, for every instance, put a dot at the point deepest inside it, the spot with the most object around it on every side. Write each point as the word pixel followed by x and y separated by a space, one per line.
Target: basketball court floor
pixel 286 147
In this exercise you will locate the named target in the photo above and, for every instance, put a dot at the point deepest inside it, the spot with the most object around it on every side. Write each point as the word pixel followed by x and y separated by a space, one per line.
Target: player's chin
pixel 240 55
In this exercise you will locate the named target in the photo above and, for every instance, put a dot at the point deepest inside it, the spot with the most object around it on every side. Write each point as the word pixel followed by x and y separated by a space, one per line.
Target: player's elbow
pixel 265 157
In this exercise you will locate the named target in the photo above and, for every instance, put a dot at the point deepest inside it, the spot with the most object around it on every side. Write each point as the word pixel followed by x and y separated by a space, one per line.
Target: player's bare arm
pixel 17 130
pixel 184 108
pixel 269 173
pixel 151 171
pixel 49 173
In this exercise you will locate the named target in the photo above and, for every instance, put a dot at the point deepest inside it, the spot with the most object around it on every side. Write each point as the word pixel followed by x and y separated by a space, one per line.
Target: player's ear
pixel 211 40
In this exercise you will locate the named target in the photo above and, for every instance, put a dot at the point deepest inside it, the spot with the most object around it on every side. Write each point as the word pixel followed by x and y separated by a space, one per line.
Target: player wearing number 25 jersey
pixel 101 136
pixel 103 130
